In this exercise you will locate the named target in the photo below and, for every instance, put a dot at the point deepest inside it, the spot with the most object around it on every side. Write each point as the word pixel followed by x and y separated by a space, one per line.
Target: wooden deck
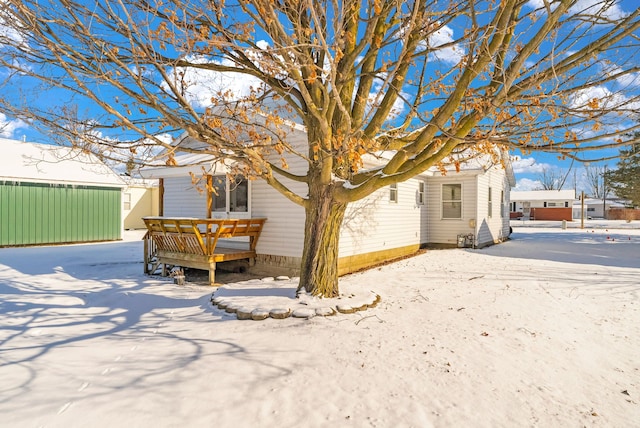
pixel 198 243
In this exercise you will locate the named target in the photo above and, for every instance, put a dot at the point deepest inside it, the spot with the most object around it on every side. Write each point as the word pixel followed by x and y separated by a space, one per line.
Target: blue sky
pixel 526 166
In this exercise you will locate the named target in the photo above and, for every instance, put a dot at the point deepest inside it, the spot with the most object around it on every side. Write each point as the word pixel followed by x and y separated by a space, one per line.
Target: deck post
pixel 212 273
pixel 146 252
pixel 193 243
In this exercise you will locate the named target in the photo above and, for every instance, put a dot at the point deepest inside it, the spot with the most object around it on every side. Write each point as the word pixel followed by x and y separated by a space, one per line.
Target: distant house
pixel 469 208
pixel 53 195
pixel 595 208
pixel 139 199
pixel 542 204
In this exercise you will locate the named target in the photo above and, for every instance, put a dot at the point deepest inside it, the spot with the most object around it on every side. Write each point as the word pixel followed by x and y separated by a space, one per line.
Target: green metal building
pixel 55 195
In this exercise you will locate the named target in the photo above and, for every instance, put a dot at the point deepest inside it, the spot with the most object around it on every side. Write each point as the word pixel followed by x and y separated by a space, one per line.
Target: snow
pixel 43 163
pixel 542 330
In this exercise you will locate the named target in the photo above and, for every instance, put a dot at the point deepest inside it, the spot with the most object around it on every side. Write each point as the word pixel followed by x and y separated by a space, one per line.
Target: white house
pixel 469 208
pixel 594 208
pixel 542 204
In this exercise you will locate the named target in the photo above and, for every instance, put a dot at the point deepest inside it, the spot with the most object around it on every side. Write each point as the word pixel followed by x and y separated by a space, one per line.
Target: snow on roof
pixel 43 163
pixel 597 202
pixel 186 163
pixel 543 195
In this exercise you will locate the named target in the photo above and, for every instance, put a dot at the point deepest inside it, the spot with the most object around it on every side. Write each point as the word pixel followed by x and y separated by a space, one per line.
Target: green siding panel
pixel 37 213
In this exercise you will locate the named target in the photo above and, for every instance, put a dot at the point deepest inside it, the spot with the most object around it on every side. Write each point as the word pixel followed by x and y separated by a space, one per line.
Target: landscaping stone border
pixel 259 299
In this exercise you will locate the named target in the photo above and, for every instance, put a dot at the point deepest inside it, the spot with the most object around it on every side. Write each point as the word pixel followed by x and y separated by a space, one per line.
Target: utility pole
pixel 582 210
pixel 604 193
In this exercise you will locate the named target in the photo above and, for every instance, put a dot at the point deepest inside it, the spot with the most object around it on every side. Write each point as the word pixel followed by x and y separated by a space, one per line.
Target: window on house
pixel 566 204
pixel 490 204
pixel 126 199
pixel 230 195
pixel 452 201
pixel 545 205
pixel 219 194
pixel 421 193
pixel 513 207
pixel 393 192
pixel 239 195
pixel 502 203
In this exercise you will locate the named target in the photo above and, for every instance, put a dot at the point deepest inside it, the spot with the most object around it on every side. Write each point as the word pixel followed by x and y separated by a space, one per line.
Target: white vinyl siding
pixel 491 228
pixel 182 199
pixel 489 204
pixel 373 224
pixel 283 233
pixel 446 231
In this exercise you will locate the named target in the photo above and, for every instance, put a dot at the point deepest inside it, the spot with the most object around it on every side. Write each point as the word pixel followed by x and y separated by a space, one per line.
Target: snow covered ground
pixel 543 330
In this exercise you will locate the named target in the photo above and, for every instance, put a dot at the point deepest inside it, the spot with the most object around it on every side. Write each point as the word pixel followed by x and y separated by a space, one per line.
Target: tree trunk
pixel 319 270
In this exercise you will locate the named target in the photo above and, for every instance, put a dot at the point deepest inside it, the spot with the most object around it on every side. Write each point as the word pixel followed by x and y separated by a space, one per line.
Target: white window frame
pixel 421 192
pixel 393 193
pixel 126 201
pixel 452 201
pixel 229 189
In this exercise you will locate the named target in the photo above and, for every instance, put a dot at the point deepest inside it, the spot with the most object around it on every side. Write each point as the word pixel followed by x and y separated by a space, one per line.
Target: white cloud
pixel 611 10
pixel 377 94
pixel 8 32
pixel 606 99
pixel 607 9
pixel 528 166
pixel 525 184
pixel 448 54
pixel 202 85
pixel 8 127
pixel 629 80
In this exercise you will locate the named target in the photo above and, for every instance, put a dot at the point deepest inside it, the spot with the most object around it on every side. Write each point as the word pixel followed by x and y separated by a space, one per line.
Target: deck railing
pixel 195 242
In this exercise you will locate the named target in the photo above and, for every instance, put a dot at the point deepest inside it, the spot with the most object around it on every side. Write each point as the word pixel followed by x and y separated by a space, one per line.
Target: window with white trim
pixel 230 195
pixel 393 192
pixel 126 199
pixel 452 201
pixel 421 193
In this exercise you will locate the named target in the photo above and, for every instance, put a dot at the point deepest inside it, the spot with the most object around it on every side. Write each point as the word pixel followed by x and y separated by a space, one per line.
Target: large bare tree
pixel 594 176
pixel 423 80
pixel 550 178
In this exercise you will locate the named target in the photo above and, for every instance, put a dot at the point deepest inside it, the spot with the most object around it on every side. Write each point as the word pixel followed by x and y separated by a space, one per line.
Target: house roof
pixel 43 163
pixel 207 164
pixel 186 163
pixel 599 202
pixel 543 195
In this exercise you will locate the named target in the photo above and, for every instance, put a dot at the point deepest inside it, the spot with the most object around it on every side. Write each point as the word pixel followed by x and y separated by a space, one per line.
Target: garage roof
pixel 43 163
